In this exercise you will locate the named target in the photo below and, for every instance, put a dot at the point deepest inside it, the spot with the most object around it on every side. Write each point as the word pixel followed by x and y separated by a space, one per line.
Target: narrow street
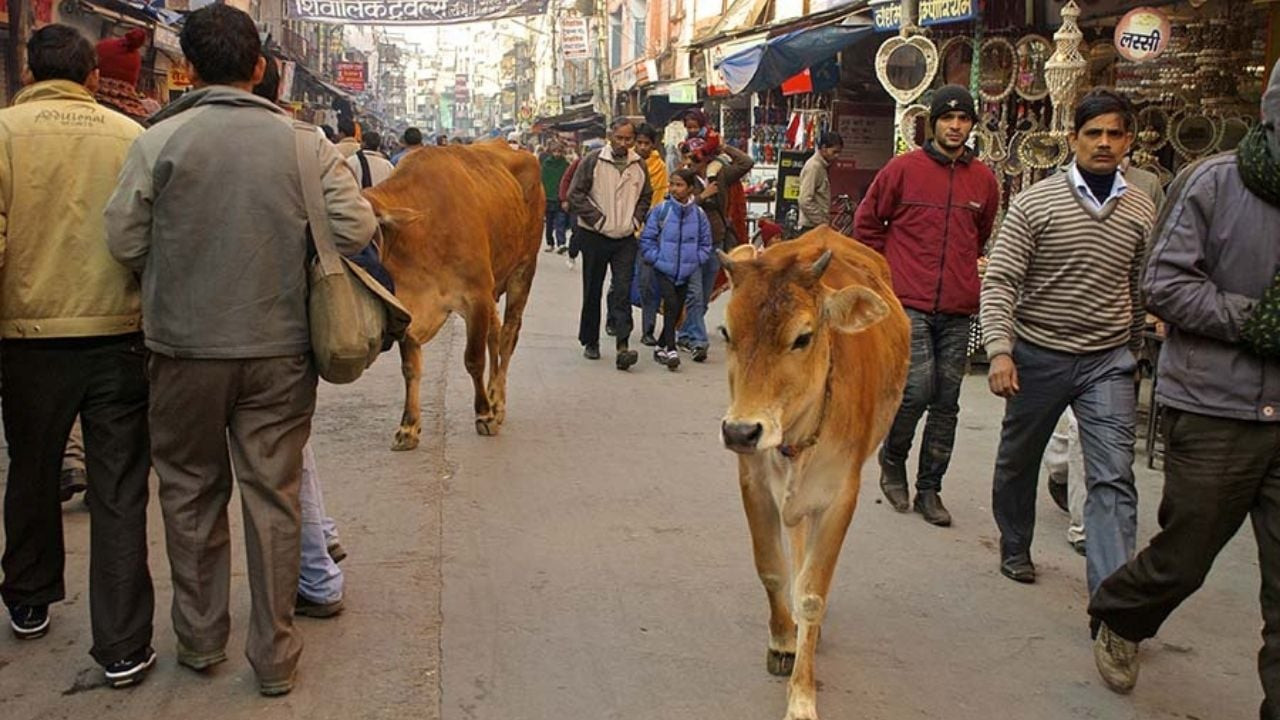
pixel 592 562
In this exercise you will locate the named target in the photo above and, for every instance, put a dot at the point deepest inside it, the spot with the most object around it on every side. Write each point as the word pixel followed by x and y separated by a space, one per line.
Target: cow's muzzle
pixel 741 437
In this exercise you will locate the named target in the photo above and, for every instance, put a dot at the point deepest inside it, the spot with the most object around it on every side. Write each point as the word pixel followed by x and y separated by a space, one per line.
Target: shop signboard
pixel 1143 34
pixel 287 70
pixel 790 163
pixel 178 78
pixel 887 15
pixel 575 38
pixel 350 76
pixel 867 130
pixel 684 92
pixel 410 12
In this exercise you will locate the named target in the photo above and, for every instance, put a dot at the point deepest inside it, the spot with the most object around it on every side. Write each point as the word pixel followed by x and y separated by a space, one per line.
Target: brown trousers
pixel 262 408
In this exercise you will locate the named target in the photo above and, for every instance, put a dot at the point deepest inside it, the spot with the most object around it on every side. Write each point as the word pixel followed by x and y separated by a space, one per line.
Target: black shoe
pixel 131 670
pixel 929 504
pixel 72 482
pixel 626 357
pixel 684 345
pixel 591 352
pixel 608 329
pixel 29 621
pixel 1058 491
pixel 1078 546
pixel 648 340
pixel 893 483
pixel 699 354
pixel 562 249
pixel 312 609
pixel 337 553
pixel 1018 568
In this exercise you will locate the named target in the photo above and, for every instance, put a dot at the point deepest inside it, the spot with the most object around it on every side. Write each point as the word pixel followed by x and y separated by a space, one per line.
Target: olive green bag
pixel 349 312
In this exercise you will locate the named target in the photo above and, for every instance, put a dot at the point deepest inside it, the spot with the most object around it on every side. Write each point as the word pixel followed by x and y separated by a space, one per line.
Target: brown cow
pixel 818 355
pixel 462 225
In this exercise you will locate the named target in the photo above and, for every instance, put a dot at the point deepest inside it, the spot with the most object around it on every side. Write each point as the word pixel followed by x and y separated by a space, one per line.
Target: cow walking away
pixel 818 349
pixel 461 227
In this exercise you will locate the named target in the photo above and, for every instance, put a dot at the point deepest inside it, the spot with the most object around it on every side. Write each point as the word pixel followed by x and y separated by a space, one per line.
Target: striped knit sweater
pixel 1064 275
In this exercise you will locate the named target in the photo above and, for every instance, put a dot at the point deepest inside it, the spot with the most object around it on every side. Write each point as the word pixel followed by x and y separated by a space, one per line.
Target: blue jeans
pixel 939 356
pixel 557 222
pixel 1099 388
pixel 694 330
pixel 320 579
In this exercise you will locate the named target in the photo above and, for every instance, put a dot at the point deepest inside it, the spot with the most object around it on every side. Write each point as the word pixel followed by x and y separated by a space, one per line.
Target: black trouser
pixel 672 306
pixel 45 384
pixel 602 254
pixel 1217 471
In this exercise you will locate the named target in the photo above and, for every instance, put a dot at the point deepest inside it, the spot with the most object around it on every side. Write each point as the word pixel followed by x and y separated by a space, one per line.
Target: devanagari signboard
pixel 1143 34
pixel 410 12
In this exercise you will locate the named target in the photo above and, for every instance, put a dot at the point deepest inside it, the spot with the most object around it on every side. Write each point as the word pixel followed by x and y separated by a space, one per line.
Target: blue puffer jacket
pixel 676 239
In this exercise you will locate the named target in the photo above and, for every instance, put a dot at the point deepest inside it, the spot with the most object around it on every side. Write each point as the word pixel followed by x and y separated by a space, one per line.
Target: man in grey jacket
pixel 610 196
pixel 209 210
pixel 1215 255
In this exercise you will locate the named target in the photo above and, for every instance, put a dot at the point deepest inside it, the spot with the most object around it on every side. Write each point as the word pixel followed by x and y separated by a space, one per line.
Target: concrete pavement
pixel 592 561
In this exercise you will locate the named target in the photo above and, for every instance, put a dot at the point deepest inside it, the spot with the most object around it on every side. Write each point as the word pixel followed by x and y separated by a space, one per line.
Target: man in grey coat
pixel 1211 278
pixel 209 210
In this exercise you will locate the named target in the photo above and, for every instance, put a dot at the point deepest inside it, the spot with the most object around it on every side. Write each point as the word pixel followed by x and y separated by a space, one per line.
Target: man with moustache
pixel 930 212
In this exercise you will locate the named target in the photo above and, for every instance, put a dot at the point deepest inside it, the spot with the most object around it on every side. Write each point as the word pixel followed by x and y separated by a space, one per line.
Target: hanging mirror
pixel 1194 134
pixel 1153 128
pixel 1033 52
pixel 998 61
pixel 1044 150
pixel 955 61
pixel 1233 131
pixel 906 66
pixel 914 126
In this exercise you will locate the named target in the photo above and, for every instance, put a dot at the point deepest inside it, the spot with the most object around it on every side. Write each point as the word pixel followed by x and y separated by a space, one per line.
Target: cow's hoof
pixel 487 427
pixel 405 440
pixel 780 663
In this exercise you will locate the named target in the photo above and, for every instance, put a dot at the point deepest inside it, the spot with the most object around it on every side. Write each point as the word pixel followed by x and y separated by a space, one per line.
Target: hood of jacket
pixel 213 95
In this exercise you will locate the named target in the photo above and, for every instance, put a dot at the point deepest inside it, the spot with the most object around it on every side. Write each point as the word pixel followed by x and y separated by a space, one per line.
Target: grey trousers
pixel 1099 388
pixel 262 409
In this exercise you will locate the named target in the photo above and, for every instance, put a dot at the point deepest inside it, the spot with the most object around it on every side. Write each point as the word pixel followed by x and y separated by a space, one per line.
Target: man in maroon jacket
pixel 930 212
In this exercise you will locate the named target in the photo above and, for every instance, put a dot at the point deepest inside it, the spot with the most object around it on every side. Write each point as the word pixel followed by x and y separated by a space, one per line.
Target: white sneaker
pixel 570 263
pixel 1117 660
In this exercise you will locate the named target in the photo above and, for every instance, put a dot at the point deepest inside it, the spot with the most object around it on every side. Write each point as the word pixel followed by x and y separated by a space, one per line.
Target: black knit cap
pixel 950 98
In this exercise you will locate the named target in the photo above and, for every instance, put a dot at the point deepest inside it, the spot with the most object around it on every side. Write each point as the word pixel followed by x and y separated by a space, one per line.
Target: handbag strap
pixel 313 198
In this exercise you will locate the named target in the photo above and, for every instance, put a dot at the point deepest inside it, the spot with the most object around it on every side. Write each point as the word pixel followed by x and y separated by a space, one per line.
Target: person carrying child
pixel 676 241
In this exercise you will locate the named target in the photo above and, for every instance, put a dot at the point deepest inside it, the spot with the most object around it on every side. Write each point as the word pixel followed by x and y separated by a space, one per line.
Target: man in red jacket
pixel 930 213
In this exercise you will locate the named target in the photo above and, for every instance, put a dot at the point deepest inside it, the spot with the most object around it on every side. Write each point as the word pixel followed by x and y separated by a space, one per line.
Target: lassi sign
pixel 1143 34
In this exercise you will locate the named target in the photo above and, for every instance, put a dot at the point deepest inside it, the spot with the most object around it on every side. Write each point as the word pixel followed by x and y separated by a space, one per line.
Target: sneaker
pixel 672 359
pixel 648 340
pixel 1078 546
pixel 72 482
pixel 305 607
pixel 199 661
pixel 660 356
pixel 684 345
pixel 131 670
pixel 1117 660
pixel 626 357
pixel 699 354
pixel 591 352
pixel 277 688
pixel 29 621
pixel 337 553
pixel 570 263
pixel 562 250
pixel 548 248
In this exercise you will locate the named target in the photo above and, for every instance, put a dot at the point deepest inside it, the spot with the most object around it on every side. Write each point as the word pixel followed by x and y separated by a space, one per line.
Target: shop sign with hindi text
pixel 350 76
pixel 411 12
pixel 1143 34
pixel 575 38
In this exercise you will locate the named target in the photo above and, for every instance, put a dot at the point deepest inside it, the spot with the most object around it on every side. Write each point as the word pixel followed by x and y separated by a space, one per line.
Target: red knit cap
pixel 119 58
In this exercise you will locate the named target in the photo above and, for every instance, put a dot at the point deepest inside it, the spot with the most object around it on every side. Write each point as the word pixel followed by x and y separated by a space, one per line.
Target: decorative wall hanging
pixel 955 61
pixel 1033 52
pixel 906 66
pixel 1063 71
pixel 998 61
pixel 1043 150
pixel 1194 134
pixel 913 124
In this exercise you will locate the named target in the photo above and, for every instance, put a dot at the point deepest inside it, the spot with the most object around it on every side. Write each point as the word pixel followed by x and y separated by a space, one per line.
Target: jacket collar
pixel 54 90
pixel 215 95
pixel 606 154
pixel 941 158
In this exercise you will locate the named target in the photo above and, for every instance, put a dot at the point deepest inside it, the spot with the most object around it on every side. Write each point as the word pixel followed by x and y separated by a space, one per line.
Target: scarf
pixel 1259 167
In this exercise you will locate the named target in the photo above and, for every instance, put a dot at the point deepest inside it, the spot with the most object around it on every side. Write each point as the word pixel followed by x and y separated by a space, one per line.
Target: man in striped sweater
pixel 1062 319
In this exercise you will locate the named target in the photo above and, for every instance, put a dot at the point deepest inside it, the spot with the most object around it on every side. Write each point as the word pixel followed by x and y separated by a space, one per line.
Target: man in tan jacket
pixel 70 343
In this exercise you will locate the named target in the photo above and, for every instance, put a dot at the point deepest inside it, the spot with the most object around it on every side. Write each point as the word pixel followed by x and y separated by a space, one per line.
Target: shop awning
pixel 769 64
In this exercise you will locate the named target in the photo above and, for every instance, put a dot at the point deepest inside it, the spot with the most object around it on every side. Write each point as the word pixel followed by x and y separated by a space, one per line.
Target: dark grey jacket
pixel 209 210
pixel 1216 250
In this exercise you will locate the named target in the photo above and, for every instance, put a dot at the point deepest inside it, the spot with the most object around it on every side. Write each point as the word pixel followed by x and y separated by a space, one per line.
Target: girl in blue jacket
pixel 676 241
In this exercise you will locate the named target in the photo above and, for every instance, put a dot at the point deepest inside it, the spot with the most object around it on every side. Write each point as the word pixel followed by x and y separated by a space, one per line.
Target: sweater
pixel 1063 276
pixel 553 170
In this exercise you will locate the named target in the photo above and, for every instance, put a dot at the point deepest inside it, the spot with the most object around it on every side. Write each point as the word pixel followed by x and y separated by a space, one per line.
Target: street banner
pixel 350 76
pixel 575 38
pixel 411 12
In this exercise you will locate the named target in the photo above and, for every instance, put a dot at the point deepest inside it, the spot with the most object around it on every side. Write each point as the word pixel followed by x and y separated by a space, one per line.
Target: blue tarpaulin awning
pixel 767 65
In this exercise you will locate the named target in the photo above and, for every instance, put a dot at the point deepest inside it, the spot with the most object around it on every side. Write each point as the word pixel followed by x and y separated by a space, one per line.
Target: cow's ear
pixel 854 309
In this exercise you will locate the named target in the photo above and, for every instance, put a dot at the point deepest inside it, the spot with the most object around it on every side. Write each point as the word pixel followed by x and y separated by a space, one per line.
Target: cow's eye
pixel 802 341
pixel 724 333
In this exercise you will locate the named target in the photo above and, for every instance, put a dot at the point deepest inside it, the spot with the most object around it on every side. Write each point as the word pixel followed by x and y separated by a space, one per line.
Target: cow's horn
pixel 820 266
pixel 726 262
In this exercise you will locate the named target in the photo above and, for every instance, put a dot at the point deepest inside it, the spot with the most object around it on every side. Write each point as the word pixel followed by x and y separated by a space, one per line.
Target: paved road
pixel 593 562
